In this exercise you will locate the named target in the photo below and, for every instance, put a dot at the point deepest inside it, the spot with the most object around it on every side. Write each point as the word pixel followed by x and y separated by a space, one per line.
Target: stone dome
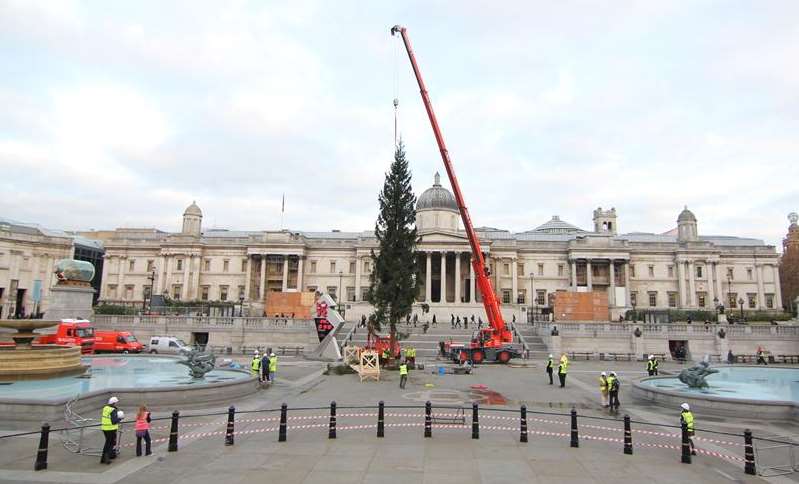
pixel 686 216
pixel 437 198
pixel 193 209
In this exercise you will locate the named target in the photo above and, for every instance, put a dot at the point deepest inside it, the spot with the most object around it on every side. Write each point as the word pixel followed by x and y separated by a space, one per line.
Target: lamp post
pixel 340 289
pixel 716 305
pixel 635 315
pixel 730 301
pixel 150 278
pixel 532 296
pixel 741 304
pixel 241 305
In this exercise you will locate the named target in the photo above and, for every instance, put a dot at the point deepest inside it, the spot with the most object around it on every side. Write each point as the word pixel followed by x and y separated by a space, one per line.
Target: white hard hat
pixel 604 374
pixel 685 406
pixel 550 355
pixel 256 352
pixel 271 354
pixel 613 373
pixel 120 414
pixel 651 356
pixel 113 400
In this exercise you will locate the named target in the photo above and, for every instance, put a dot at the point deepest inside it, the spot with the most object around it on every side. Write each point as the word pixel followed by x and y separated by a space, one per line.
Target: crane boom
pixel 494 315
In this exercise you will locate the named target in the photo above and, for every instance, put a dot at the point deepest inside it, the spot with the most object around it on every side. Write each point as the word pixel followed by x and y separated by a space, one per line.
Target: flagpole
pixel 282 210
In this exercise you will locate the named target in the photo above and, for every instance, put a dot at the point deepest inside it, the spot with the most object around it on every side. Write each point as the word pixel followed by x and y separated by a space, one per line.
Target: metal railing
pixel 204 322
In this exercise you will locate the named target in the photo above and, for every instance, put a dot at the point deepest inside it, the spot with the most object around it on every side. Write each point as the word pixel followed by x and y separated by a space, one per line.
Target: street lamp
pixel 532 296
pixel 741 303
pixel 338 296
pixel 716 305
pixel 241 305
pixel 635 315
pixel 151 278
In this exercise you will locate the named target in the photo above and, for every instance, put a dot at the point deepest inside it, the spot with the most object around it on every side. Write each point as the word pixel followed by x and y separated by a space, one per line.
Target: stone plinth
pixel 70 302
pixel 40 361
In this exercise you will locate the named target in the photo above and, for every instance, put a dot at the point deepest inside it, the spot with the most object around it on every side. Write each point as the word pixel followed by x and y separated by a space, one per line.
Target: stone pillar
pixel 262 287
pixel 514 271
pixel 123 265
pixel 472 295
pixel 574 275
pixel 627 282
pixel 185 289
pixel 612 275
pixel 717 279
pixel 589 275
pixel 443 277
pixel 711 293
pixel 761 293
pixel 247 279
pixel 457 277
pixel 691 284
pixel 161 271
pixel 168 275
pixel 300 268
pixel 195 285
pixel 681 282
pixel 777 289
pixel 428 279
pixel 285 286
pixel 358 263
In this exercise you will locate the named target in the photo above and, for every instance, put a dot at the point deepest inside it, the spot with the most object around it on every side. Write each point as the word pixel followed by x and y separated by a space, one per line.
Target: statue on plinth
pixel 199 363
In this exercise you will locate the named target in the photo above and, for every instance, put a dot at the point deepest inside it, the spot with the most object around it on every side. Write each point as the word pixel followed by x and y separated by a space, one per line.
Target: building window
pixel 732 299
pixel 131 265
pixel 226 265
pixel 730 273
pixel 699 272
pixel 541 297
pixel 633 298
pixel 223 293
pixel 176 290
pixel 540 269
pixel 770 301
pixel 749 273
pixel 352 267
pixel 333 266
pixel 241 292
pixel 351 294
pixel 751 298
pixel 521 298
pixel 506 269
pixel 204 293
pixel 701 299
pixel 506 296
pixel 594 270
pixel 150 265
pixel 672 299
pixel 651 271
pixel 364 293
pixel 331 290
pixel 146 292
pixel 632 270
pixel 519 269
pixel 179 265
pixel 313 267
pixel 207 265
pixel 129 292
pixel 653 299
pixel 244 265
pixel 560 270
pixel 671 271
pixel 112 291
pixel 366 266
pixel 310 289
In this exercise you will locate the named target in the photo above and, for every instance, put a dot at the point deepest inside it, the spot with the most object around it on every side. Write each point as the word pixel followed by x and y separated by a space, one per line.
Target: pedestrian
pixel 452 320
pixel 563 369
pixel 514 318
pixel 415 319
pixel 265 367
pixel 458 322
pixel 761 359
pixel 550 369
pixel 403 369
pixel 363 321
pixel 426 326
pixel 472 319
pixel 434 320
pixel 655 364
pixel 109 424
pixel 650 365
pixel 272 367
pixel 143 431
pixel 613 391
pixel 255 365
pixel 465 322
pixel 687 418
pixel 479 322
pixel 603 389
pixel 730 357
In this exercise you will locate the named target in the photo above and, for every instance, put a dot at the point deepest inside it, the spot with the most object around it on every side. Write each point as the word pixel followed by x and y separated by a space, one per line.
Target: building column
pixel 627 282
pixel 589 275
pixel 681 282
pixel 428 279
pixel 168 275
pixel 123 265
pixel 711 292
pixel 612 275
pixel 514 271
pixel 691 284
pixel 457 277
pixel 195 286
pixel 300 268
pixel 472 295
pixel 443 298
pixel 247 278
pixel 285 286
pixel 160 271
pixel 761 293
pixel 262 288
pixel 717 279
pixel 358 263
pixel 185 289
pixel 777 288
pixel 574 274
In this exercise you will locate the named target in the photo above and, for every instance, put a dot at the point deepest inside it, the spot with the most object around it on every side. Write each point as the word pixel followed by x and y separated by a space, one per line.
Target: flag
pixel 283 204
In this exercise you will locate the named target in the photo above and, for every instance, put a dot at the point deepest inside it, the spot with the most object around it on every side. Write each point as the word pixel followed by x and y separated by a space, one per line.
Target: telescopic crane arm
pixel 494 315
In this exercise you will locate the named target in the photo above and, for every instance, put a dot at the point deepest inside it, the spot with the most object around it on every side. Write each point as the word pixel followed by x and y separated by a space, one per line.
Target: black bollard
pixel 281 435
pixel 475 422
pixel 381 431
pixel 575 442
pixel 231 416
pixel 173 433
pixel 331 434
pixel 749 454
pixel 41 455
pixel 428 419
pixel 628 436
pixel 686 447
pixel 523 428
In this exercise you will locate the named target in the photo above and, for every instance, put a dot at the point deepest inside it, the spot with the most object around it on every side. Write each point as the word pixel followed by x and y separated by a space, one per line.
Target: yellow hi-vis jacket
pixel 273 364
pixel 603 384
pixel 403 369
pixel 688 417
pixel 105 420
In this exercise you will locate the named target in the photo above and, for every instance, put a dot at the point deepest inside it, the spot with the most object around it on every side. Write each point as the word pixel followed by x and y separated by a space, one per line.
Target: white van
pixel 168 345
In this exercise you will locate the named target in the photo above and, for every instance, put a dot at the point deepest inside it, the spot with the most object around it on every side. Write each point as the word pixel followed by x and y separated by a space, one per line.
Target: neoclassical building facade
pixel 680 269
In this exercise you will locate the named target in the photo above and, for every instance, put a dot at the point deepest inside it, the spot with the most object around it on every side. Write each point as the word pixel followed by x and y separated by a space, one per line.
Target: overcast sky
pixel 119 114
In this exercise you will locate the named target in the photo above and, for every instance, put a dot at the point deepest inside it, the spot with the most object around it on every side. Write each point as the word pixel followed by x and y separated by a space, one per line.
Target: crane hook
pixel 397 28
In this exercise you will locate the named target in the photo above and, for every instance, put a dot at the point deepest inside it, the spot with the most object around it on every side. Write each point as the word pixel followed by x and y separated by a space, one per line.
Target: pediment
pixel 443 237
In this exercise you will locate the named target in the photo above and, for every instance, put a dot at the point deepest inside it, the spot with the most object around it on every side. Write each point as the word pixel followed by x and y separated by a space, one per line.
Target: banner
pixel 323 326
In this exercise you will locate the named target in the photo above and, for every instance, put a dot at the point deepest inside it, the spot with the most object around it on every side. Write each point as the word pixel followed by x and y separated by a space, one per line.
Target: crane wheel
pixel 503 357
pixel 478 356
pixel 463 356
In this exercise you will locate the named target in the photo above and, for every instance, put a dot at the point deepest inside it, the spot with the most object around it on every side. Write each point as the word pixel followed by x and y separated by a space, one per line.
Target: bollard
pixel 381 419
pixel 749 454
pixel 686 447
pixel 173 433
pixel 281 435
pixel 523 428
pixel 231 416
pixel 575 437
pixel 628 436
pixel 331 434
pixel 475 422
pixel 428 419
pixel 41 455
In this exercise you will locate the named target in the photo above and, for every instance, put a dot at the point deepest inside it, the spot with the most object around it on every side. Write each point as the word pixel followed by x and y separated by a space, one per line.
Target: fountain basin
pixel 738 391
pixel 39 361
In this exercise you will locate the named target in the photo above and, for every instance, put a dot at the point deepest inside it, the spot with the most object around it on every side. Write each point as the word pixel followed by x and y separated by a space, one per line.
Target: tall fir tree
pixel 393 282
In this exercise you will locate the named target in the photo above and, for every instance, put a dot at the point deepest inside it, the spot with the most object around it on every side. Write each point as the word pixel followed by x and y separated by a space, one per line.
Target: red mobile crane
pixel 495 342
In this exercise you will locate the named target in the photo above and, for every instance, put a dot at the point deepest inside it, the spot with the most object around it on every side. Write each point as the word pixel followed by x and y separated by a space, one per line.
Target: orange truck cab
pixel 116 342
pixel 74 332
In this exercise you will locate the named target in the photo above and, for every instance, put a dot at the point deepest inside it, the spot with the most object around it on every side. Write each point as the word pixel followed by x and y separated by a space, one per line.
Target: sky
pixel 120 114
